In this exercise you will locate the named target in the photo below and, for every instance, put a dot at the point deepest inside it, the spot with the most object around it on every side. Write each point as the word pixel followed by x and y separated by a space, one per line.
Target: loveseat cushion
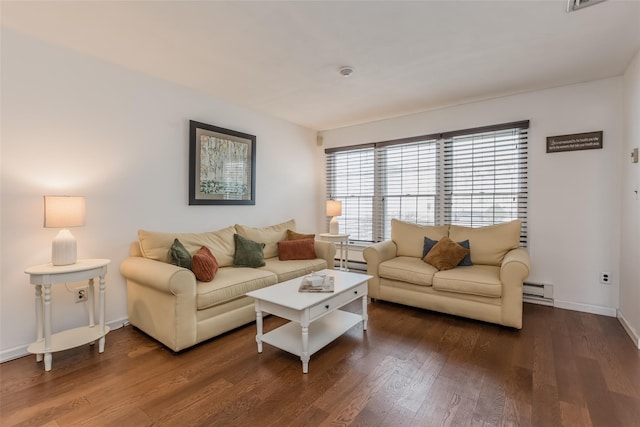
pixel 270 235
pixel 407 269
pixel 482 280
pixel 489 244
pixel 155 245
pixel 409 237
pixel 231 283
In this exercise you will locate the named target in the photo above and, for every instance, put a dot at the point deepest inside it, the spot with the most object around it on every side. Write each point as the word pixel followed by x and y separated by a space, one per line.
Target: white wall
pixel 629 312
pixel 574 197
pixel 75 125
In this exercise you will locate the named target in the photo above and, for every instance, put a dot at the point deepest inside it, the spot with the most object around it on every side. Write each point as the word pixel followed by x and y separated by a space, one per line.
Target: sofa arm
pixel 159 275
pixel 374 255
pixel 513 272
pixel 161 301
pixel 326 251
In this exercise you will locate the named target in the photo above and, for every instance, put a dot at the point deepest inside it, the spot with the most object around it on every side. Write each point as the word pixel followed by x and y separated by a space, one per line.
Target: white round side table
pixel 343 240
pixel 45 275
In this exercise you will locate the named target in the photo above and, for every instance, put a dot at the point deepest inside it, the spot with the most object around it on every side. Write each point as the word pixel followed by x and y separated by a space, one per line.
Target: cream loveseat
pixel 169 304
pixel 489 290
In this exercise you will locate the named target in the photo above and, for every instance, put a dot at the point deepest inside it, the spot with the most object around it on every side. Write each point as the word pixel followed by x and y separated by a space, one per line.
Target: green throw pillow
pixel 248 253
pixel 179 255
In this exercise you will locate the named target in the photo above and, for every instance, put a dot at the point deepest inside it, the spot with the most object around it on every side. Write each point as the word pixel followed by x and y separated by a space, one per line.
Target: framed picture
pixel 222 166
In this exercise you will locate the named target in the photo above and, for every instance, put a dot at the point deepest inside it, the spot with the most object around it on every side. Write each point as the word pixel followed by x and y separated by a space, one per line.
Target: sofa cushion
pixel 292 235
pixel 407 269
pixel 248 253
pixel 179 255
pixel 482 280
pixel 296 249
pixel 409 237
pixel 446 254
pixel 489 244
pixel 270 236
pixel 204 265
pixel 286 270
pixel 155 245
pixel 231 283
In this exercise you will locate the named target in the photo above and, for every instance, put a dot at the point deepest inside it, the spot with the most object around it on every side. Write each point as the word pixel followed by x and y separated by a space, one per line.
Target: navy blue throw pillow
pixel 428 245
pixel 466 261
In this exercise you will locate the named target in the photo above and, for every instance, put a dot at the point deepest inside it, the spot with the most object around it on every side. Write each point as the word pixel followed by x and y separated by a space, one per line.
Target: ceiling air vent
pixel 580 4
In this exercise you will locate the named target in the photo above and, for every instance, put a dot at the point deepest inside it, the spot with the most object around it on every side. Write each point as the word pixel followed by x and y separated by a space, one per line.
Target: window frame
pixel 442 162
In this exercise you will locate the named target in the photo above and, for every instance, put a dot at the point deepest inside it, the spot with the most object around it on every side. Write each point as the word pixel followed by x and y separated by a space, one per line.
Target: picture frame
pixel 222 166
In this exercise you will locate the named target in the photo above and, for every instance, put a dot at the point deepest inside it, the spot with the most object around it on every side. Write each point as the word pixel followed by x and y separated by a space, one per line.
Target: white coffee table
pixel 315 318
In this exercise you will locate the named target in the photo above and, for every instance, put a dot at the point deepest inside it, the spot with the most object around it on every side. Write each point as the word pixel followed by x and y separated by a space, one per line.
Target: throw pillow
pixel 179 255
pixel 204 265
pixel 292 235
pixel 248 253
pixel 428 245
pixel 446 254
pixel 466 261
pixel 296 249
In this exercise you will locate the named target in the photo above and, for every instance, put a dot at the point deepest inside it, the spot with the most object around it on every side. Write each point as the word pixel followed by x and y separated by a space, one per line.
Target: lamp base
pixel 64 249
pixel 334 226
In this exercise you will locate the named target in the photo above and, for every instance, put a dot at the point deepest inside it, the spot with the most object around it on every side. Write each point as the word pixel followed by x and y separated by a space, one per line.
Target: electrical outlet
pixel 605 278
pixel 82 294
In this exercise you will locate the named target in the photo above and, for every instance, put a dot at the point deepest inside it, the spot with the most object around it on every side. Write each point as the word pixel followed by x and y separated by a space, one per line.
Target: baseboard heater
pixel 537 293
pixel 355 266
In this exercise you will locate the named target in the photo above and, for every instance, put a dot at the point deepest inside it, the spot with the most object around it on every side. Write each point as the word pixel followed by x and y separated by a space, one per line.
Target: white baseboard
pixel 587 308
pixel 21 351
pixel 633 334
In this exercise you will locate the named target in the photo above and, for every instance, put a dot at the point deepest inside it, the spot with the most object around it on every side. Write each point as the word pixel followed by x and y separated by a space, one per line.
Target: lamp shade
pixel 334 208
pixel 64 211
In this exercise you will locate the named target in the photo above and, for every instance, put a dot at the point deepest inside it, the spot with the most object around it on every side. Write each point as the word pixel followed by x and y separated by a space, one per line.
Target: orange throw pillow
pixel 296 249
pixel 204 265
pixel 446 254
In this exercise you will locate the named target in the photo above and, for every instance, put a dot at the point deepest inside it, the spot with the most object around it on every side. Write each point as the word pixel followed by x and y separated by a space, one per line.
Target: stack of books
pixel 316 283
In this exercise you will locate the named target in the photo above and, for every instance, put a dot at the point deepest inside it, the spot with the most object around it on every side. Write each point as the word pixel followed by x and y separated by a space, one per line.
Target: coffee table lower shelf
pixel 288 337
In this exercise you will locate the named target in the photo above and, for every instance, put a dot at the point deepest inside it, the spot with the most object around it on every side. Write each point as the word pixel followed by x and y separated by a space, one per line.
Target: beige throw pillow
pixel 490 244
pixel 155 245
pixel 409 237
pixel 270 236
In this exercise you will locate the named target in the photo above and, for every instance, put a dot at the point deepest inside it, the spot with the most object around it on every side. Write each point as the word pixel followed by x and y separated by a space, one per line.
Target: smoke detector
pixel 347 71
pixel 580 4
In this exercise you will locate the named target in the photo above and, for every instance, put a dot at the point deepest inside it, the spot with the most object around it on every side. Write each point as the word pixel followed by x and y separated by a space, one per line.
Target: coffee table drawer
pixel 337 301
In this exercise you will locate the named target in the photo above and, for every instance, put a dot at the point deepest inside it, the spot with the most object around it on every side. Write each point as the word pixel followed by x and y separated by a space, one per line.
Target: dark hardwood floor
pixel 411 368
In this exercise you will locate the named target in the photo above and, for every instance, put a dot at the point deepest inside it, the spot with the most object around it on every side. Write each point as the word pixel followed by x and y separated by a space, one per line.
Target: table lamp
pixel 334 210
pixel 62 212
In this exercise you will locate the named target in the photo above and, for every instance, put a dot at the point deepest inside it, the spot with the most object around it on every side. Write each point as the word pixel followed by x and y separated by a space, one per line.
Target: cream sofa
pixel 490 290
pixel 169 304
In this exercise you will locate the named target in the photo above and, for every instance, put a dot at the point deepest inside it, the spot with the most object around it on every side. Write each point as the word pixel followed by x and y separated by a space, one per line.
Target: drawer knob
pixel 355 292
pixel 327 306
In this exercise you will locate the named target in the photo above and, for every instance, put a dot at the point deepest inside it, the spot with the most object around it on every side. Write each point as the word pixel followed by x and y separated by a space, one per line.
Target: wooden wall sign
pixel 577 141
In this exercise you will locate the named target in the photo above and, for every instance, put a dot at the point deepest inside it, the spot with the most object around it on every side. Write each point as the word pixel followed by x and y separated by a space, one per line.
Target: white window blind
pixel 472 177
pixel 408 177
pixel 350 179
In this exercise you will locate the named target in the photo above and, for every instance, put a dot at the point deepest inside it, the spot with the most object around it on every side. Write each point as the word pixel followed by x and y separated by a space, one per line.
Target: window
pixel 473 177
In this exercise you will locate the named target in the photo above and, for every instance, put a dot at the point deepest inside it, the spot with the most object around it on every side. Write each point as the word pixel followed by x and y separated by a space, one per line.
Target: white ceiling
pixel 282 58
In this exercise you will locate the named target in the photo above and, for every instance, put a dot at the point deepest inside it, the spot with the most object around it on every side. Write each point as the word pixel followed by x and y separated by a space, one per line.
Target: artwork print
pixel 221 166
